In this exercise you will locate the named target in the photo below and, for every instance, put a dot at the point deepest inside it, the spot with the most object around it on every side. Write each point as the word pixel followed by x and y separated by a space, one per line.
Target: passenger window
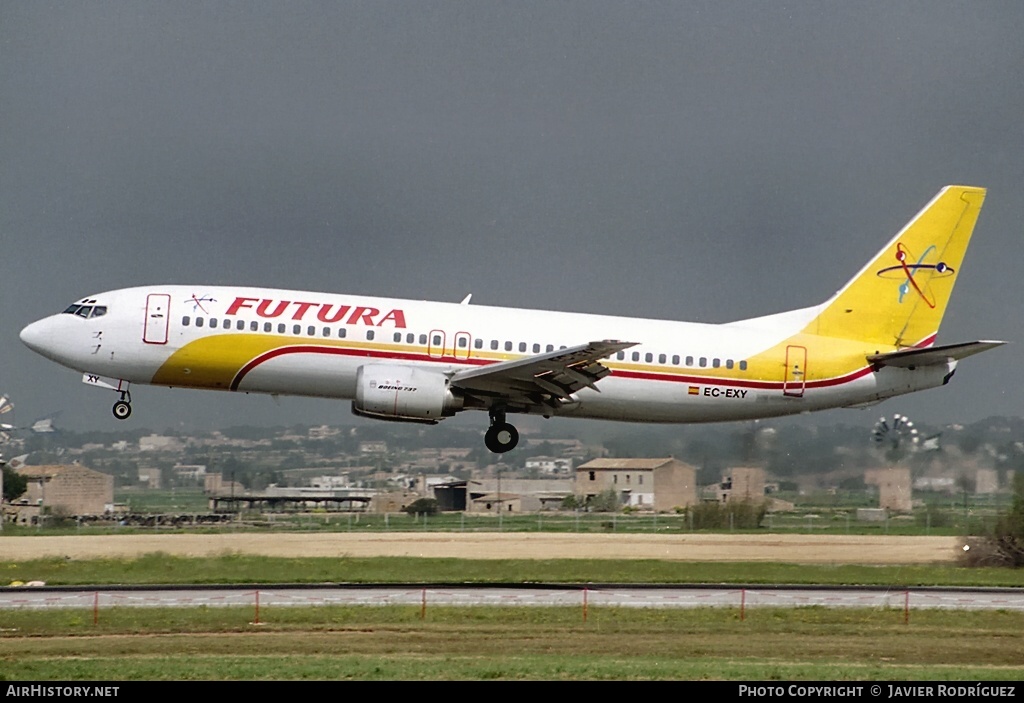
pixel 743 366
pixel 226 324
pixel 689 361
pixel 296 329
pixel 508 346
pixel 648 357
pixel 463 342
pixel 199 322
pixel 522 346
pixel 703 361
pixel 267 326
pixel 311 330
pixel 281 328
pixel 398 336
pixel 536 349
pixel 410 338
pixel 342 333
pixel 478 343
pixel 213 323
pixel 675 360
pixel 436 340
pixel 661 358
pixel 550 347
pixel 240 325
pixel 728 363
pixel 423 339
pixel 621 355
pixel 636 356
pixel 369 334
pixel 716 362
pixel 185 321
pixel 494 344
pixel 254 326
pixel 327 331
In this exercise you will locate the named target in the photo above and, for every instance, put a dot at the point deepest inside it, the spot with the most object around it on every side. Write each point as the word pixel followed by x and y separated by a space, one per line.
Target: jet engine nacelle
pixel 403 393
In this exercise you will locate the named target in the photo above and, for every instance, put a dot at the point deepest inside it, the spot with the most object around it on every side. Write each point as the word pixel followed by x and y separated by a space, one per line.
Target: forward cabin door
pixel 794 381
pixel 436 344
pixel 158 318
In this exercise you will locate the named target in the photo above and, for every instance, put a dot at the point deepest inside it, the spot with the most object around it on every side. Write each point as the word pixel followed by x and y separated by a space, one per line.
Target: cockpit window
pixel 86 311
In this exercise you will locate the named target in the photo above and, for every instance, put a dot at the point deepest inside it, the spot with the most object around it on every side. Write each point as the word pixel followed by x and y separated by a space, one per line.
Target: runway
pixel 589 595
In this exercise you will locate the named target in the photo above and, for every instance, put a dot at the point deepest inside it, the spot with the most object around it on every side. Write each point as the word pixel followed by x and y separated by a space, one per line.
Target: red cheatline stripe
pixel 343 351
pixel 642 375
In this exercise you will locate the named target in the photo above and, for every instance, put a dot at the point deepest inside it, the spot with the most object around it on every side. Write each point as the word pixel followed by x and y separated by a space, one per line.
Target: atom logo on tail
pixel 906 269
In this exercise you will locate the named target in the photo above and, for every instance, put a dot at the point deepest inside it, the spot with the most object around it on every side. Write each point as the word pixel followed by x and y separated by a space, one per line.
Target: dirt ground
pixel 797 549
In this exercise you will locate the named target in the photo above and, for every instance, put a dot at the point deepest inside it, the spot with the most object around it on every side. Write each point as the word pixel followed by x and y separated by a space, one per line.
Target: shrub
pixel 1003 545
pixel 743 515
pixel 422 506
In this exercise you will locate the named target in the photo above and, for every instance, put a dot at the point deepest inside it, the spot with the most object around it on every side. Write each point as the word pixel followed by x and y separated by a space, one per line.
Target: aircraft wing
pixel 932 355
pixel 542 379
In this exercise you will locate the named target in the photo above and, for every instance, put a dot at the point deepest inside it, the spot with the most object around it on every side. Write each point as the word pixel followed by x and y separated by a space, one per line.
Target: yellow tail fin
pixel 899 298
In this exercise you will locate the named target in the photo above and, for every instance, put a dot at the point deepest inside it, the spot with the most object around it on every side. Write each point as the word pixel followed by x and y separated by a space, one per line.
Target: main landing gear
pixel 500 436
pixel 123 407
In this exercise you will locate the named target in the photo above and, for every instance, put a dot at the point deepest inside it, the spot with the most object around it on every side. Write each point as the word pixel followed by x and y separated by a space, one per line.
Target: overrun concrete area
pixel 782 548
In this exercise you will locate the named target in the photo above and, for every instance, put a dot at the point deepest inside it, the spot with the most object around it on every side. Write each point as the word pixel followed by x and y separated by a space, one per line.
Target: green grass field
pixel 509 643
pixel 478 643
pixel 243 569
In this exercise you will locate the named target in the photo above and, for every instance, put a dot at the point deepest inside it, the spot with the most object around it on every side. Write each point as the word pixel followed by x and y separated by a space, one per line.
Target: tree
pixel 571 502
pixel 607 501
pixel 14 484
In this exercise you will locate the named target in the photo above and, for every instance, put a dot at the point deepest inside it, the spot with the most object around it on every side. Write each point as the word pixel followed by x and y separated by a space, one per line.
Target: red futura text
pixel 325 312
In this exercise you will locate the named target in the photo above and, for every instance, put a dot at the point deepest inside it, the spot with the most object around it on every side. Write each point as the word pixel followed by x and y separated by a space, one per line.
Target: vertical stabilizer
pixel 899 298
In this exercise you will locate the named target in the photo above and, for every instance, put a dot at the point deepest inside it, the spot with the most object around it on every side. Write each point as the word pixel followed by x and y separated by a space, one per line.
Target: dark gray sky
pixel 703 161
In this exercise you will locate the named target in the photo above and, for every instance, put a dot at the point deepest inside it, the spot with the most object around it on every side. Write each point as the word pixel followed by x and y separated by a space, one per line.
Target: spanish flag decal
pixel 694 390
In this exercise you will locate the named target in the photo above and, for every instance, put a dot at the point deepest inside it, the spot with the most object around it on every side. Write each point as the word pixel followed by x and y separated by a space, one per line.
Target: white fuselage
pixel 312 344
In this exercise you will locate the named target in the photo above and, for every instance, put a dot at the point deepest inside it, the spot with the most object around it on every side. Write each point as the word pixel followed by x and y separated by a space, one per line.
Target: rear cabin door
pixel 796 366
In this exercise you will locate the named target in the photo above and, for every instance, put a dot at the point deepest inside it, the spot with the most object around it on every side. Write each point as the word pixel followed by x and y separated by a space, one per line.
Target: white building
pixel 551 466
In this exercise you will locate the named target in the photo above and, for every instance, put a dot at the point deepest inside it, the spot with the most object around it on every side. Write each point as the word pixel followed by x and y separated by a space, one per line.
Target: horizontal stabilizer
pixel 906 358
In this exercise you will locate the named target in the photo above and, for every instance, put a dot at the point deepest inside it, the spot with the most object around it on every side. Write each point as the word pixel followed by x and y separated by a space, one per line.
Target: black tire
pixel 122 410
pixel 501 438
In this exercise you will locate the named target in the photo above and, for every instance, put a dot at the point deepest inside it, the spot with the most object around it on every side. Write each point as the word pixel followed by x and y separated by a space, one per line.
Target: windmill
pixel 896 438
pixel 6 406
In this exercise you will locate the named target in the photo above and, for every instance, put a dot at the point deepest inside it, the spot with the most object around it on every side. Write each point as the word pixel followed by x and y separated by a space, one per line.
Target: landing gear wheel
pixel 501 437
pixel 122 410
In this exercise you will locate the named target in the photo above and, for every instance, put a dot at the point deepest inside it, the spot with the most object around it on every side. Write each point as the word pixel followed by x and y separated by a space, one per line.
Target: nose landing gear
pixel 500 437
pixel 123 407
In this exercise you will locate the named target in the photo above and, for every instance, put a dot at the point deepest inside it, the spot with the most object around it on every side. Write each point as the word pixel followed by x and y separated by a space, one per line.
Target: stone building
pixel 71 489
pixel 648 484
pixel 894 488
pixel 986 482
pixel 742 484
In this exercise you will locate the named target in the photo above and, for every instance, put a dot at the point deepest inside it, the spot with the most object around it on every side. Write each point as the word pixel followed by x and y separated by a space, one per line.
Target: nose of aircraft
pixel 35 336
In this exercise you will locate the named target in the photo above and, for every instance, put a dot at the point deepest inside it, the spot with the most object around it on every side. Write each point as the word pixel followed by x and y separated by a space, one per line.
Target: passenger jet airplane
pixel 417 361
